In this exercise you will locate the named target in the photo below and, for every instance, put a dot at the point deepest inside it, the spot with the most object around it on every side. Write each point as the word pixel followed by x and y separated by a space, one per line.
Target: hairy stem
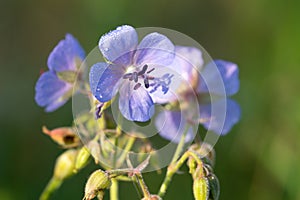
pixel 174 167
pixel 143 186
pixel 170 170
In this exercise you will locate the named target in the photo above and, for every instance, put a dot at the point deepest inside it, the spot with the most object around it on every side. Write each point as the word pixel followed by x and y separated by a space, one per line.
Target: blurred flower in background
pixel 55 86
pixel 189 62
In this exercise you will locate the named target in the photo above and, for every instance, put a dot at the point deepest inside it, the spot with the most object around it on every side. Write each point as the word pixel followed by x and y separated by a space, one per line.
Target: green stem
pixel 102 122
pixel 173 168
pixel 119 125
pixel 118 133
pixel 119 172
pixel 116 143
pixel 114 190
pixel 137 180
pixel 124 178
pixel 143 185
pixel 174 165
pixel 165 184
pixel 180 145
pixel 125 151
pixel 51 187
pixel 136 185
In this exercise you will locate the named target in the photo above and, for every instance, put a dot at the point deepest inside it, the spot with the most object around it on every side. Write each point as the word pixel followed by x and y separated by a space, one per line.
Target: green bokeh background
pixel 258 160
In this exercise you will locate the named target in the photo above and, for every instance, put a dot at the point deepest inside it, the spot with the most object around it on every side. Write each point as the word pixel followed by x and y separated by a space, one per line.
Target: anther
pixel 135 76
pixel 145 67
pixel 146 82
pixel 137 86
pixel 127 76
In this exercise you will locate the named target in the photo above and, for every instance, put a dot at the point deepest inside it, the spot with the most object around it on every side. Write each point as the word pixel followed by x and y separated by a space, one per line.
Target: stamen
pixel 135 76
pixel 145 67
pixel 146 82
pixel 127 76
pixel 165 89
pixel 98 111
pixel 137 86
pixel 151 70
pixel 131 77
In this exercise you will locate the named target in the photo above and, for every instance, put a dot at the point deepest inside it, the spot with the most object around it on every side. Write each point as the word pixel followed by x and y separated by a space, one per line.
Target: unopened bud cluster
pixel 96 184
pixel 206 184
pixel 65 164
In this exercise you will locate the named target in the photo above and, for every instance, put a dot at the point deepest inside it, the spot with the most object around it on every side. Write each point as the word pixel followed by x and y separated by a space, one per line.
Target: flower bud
pixel 96 184
pixel 65 164
pixel 201 188
pixel 64 136
pixel 82 158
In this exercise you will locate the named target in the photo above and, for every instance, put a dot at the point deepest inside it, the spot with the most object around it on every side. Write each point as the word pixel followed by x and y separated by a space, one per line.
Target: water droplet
pixel 106 49
pixel 119 28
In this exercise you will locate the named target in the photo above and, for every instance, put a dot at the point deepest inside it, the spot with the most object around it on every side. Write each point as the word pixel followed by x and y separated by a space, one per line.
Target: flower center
pixel 133 75
pixel 162 82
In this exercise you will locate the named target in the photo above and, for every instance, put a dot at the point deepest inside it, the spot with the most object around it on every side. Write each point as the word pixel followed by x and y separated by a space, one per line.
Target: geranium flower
pixel 136 70
pixel 54 87
pixel 171 123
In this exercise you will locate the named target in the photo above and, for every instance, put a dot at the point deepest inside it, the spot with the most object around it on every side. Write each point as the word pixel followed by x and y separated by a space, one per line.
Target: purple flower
pixel 171 123
pixel 136 70
pixel 54 87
